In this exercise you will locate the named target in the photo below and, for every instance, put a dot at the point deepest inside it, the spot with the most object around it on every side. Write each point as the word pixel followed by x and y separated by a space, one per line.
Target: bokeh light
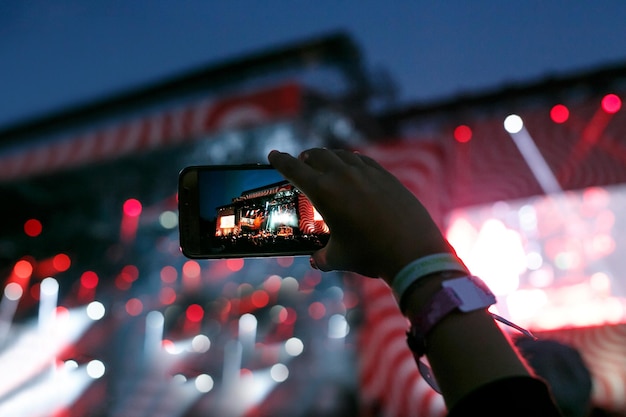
pixel 513 124
pixel 33 227
pixel 559 113
pixel 132 207
pixel 462 133
pixel 611 103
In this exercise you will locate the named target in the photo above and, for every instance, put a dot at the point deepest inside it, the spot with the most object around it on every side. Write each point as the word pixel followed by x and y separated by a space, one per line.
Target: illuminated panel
pixel 553 261
pixel 227 222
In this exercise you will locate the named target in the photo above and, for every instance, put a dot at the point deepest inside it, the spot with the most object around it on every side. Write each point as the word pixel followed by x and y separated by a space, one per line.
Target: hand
pixel 377 225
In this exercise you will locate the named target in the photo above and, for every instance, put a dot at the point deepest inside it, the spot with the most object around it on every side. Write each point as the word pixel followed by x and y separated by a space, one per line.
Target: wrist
pixel 443 265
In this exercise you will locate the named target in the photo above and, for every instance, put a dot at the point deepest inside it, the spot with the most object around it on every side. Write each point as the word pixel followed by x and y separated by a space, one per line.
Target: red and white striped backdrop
pixel 158 130
pixel 308 224
pixel 445 174
pixel 390 381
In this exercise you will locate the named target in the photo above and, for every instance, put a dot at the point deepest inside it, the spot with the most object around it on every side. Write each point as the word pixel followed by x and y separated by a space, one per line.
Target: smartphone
pixel 239 211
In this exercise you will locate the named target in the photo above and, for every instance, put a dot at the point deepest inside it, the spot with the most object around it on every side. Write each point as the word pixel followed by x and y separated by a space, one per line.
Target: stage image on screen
pixel 257 212
pixel 553 261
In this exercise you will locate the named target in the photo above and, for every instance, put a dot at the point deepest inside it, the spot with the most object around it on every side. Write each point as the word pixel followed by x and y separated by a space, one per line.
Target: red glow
pixel 260 298
pixel 194 313
pixel 272 284
pixel 62 312
pixel 167 296
pixel 611 103
pixel 291 316
pixel 132 207
pixel 559 113
pixel 169 274
pixel 285 261
pixel 121 283
pixel 317 310
pixel 191 269
pixel 129 273
pixel 280 314
pixel 463 133
pixel 234 264
pixel 23 269
pixel 89 280
pixel 34 291
pixel 33 227
pixel 134 307
pixel 61 262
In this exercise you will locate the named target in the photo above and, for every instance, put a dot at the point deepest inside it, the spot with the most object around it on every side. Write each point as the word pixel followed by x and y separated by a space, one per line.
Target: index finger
pixel 296 171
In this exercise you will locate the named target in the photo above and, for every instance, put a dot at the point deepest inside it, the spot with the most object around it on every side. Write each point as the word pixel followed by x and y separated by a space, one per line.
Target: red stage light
pixel 132 207
pixel 23 269
pixel 167 295
pixel 462 133
pixel 194 313
pixel 317 310
pixel 611 103
pixel 559 113
pixel 61 262
pixel 134 306
pixel 260 298
pixel 234 264
pixel 89 279
pixel 169 274
pixel 33 227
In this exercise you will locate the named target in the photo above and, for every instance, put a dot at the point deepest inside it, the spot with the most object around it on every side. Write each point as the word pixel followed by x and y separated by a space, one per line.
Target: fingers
pixel 294 170
pixel 327 160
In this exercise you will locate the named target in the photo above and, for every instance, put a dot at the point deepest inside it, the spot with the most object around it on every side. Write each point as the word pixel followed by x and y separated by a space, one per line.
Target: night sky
pixel 60 54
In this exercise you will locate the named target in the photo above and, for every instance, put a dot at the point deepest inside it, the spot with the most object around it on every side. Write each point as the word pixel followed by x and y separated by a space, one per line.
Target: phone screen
pixel 232 211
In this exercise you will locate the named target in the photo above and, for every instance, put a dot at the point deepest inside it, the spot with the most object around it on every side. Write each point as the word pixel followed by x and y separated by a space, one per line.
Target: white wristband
pixel 422 267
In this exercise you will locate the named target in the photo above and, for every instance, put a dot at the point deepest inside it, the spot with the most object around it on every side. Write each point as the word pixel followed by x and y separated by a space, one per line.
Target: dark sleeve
pixel 511 397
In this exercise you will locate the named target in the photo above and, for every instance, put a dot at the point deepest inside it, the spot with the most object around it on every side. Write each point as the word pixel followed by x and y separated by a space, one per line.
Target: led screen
pixel 553 260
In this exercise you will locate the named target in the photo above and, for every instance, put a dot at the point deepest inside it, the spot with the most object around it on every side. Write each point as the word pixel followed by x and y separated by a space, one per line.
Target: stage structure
pixel 102 316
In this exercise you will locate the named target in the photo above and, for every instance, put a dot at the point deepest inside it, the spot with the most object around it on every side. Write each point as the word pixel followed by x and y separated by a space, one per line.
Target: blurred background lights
pixel 247 323
pixel 179 379
pixel 338 327
pixel 294 346
pixel 95 369
pixel 95 310
pixel 534 261
pixel 134 307
pixel 191 269
pixel 168 274
pixel 70 365
pixel 204 383
pixel 462 133
pixel 513 124
pixel 132 207
pixel 168 219
pixel 200 343
pixel 89 279
pixel 23 269
pixel 279 372
pixel 194 313
pixel 61 262
pixel 49 287
pixel 13 291
pixel 33 227
pixel 290 284
pixel 559 113
pixel 611 103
